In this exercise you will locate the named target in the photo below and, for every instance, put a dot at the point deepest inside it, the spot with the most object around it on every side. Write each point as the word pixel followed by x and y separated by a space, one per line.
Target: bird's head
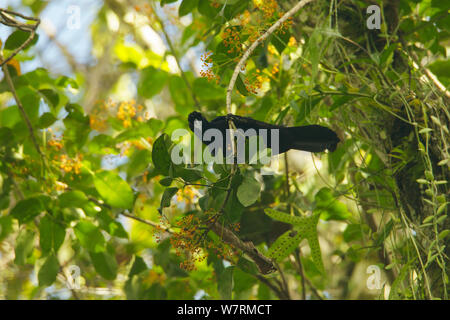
pixel 196 116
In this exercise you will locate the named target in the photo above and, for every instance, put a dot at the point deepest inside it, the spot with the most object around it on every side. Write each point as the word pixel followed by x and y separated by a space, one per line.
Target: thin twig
pixel 150 223
pixel 284 283
pixel 131 216
pixel 6 20
pixel 258 41
pixel 280 294
pixel 264 264
pixel 20 15
pixel 300 270
pixel 21 108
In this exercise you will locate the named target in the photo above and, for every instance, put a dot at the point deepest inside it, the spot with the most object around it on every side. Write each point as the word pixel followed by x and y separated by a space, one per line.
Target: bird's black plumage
pixel 312 138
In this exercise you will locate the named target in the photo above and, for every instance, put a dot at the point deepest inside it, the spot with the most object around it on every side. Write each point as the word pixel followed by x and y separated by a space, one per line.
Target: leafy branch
pixel 265 264
pixel 7 19
pixel 256 43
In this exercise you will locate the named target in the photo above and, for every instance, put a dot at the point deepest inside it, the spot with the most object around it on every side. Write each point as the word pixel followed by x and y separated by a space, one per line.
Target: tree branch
pixel 147 222
pixel 131 216
pixel 264 264
pixel 20 106
pixel 7 20
pixel 258 41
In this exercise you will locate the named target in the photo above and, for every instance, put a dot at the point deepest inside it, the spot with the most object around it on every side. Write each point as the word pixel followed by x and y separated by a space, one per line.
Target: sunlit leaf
pixel 113 189
pixel 26 210
pixel 186 7
pixel 160 154
pixel 51 235
pixel 151 82
pixel 105 264
pixel 248 191
pixel 90 236
pixel 48 271
pixel 24 246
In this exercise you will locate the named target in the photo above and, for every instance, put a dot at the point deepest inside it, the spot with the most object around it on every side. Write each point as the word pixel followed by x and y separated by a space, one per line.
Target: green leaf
pixel 113 189
pixel 24 246
pixel 387 56
pixel 284 217
pixel 280 40
pixel 48 272
pixel 51 235
pixel 306 107
pixel 26 210
pixel 167 181
pixel 30 101
pixel 72 199
pixel 187 6
pixel 206 9
pixel 77 128
pixel 105 264
pixel 9 117
pixel 180 95
pixel 6 136
pixel 233 7
pixel 51 96
pixel 206 90
pixel 247 266
pixel 285 244
pixel 242 283
pixel 314 246
pixel 6 226
pixel 166 197
pixel 384 233
pixel 139 130
pixel 304 227
pixel 170 262
pixel 160 155
pixel 46 120
pixel 90 236
pixel 395 287
pixel 151 82
pixel 138 162
pixel 443 234
pixel 17 38
pixel 113 227
pixel 188 175
pixel 100 144
pixel 63 82
pixel 440 68
pixel 139 266
pixel 330 207
pixel 233 207
pixel 353 232
pixel 225 283
pixel 248 191
pixel 241 86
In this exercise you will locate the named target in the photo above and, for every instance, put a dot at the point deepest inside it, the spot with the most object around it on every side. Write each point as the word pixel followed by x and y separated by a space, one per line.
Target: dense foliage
pixel 92 206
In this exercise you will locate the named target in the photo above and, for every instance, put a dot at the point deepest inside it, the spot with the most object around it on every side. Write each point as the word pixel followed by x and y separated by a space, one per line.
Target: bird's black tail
pixel 312 138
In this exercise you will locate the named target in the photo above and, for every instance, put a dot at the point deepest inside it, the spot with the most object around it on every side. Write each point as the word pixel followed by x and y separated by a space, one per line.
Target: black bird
pixel 312 138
